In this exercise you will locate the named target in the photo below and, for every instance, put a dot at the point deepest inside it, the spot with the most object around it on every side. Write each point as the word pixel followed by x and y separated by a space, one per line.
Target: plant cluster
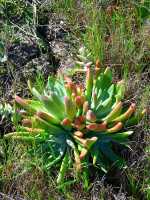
pixel 73 123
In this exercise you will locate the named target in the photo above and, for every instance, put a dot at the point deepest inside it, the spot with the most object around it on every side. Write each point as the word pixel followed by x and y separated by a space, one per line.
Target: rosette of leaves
pixel 70 124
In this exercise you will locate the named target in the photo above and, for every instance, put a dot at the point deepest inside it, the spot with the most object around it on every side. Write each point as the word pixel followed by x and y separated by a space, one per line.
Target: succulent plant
pixel 70 123
pixel 83 58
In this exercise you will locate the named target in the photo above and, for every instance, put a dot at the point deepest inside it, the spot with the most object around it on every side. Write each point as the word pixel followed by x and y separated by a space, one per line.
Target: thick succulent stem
pixel 27 122
pixel 89 83
pixel 78 134
pixel 63 169
pixel 114 113
pixel 115 128
pixel 135 119
pixel 83 153
pixel 90 116
pixel 21 102
pixel 70 108
pixel 47 117
pixel 97 69
pixel 127 114
pixel 85 107
pixel 77 160
pixel 97 127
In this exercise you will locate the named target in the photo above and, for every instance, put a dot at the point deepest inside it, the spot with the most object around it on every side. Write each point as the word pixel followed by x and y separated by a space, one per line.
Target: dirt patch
pixel 21 54
pixel 57 35
pixel 27 58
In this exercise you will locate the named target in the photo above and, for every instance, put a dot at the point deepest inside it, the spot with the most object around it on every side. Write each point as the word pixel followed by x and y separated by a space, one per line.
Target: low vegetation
pixel 81 127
